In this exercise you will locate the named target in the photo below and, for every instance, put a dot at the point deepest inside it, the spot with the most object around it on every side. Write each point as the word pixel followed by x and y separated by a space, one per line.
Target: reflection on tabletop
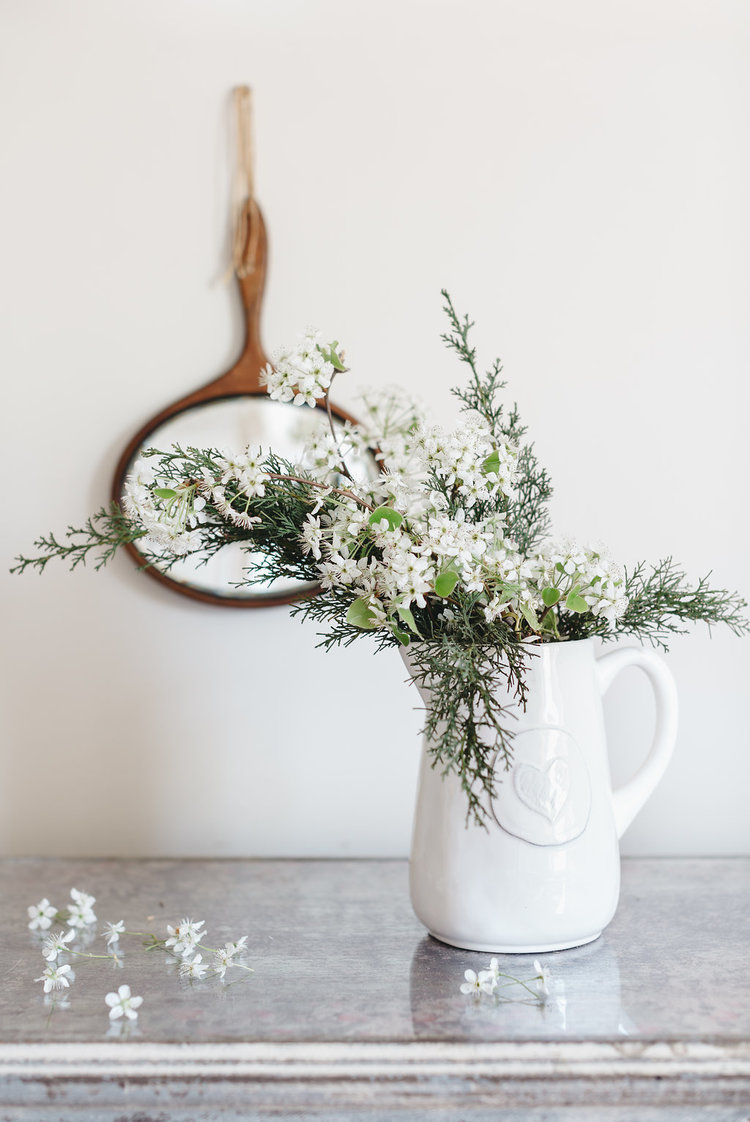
pixel 584 998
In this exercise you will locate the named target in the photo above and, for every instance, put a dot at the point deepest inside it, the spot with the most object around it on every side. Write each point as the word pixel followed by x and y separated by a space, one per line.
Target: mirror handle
pixel 251 278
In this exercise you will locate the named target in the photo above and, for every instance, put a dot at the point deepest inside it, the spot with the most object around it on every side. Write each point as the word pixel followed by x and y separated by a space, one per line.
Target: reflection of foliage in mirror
pixel 442 552
pixel 253 423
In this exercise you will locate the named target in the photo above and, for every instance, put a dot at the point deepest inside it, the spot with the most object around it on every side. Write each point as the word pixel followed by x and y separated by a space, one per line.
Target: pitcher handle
pixel 628 799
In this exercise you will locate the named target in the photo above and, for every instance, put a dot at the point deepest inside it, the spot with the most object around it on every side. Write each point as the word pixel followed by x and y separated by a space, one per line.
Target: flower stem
pixel 87 954
pixel 322 486
pixel 342 462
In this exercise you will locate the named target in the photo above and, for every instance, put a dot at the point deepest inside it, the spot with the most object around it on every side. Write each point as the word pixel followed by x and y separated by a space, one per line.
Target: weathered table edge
pixel 310 1078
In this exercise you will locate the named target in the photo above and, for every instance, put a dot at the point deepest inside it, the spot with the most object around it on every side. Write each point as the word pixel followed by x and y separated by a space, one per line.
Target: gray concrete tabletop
pixel 350 998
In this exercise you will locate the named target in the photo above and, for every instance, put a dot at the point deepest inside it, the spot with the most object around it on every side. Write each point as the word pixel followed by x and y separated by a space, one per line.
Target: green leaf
pixel 574 602
pixel 391 516
pixel 360 614
pixel 408 618
pixel 402 636
pixel 549 623
pixel 492 463
pixel 550 596
pixel 445 583
pixel 330 354
pixel 165 493
pixel 529 615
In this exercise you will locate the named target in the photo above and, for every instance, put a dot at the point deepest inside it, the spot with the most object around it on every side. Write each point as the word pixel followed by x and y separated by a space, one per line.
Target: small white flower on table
pixel 193 969
pixel 494 972
pixel 543 978
pixel 41 915
pixel 55 945
pixel 113 931
pixel 477 983
pixel 56 978
pixel 80 912
pixel 226 956
pixel 184 936
pixel 122 1004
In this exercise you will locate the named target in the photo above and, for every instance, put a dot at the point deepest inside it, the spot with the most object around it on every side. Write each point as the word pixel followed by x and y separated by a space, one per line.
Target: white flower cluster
pixel 243 471
pixel 300 374
pixel 323 454
pixel 493 981
pixel 433 483
pixel 390 417
pixel 183 941
pixel 80 912
pixel 169 514
pixel 58 975
pixel 468 461
pixel 587 577
pixel 447 487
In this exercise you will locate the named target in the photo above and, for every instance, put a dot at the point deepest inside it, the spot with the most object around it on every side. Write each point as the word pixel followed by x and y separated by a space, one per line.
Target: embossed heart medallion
pixel 546 799
pixel 543 791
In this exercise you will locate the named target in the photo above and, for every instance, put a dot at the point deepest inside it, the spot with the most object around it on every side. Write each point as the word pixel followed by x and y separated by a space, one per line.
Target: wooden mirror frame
pixel 241 380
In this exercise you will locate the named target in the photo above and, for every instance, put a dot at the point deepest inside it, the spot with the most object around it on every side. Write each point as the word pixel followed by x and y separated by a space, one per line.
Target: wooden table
pixel 354 1013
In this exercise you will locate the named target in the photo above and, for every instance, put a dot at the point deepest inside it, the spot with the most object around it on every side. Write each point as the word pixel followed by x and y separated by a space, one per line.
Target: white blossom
pixel 56 977
pixel 476 983
pixel 80 912
pixel 299 374
pixel 113 931
pixel 193 968
pixel 245 470
pixel 312 537
pixel 185 936
pixel 543 978
pixel 223 959
pixel 41 915
pixel 493 970
pixel 226 955
pixel 55 945
pixel 122 1004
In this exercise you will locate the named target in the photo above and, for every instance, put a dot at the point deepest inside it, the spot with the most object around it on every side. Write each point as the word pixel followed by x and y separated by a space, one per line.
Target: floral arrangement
pixel 445 548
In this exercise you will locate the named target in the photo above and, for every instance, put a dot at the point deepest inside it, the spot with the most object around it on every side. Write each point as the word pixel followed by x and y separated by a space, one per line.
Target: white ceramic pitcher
pixel 545 875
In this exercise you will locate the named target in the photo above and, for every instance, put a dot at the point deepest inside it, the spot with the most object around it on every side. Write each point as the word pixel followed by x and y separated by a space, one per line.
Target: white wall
pixel 577 174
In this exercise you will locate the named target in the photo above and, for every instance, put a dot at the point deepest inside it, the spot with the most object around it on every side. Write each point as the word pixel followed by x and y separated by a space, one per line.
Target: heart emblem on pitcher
pixel 543 790
pixel 546 798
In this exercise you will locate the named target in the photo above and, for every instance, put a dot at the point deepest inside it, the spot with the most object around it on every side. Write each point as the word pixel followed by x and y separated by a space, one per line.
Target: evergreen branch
pixel 100 537
pixel 467 726
pixel 527 515
pixel 528 518
pixel 662 601
pixel 458 338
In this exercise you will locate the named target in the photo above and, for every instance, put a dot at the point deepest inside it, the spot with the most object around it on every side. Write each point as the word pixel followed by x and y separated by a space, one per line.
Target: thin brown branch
pixel 322 486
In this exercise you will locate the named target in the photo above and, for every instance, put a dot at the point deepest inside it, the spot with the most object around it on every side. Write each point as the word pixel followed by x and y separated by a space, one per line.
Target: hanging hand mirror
pixel 229 413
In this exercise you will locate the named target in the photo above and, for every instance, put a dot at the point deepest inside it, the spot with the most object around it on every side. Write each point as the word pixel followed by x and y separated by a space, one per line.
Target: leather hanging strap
pixel 246 224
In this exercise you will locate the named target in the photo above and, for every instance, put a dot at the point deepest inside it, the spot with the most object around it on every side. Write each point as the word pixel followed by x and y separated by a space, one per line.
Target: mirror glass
pixel 230 424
